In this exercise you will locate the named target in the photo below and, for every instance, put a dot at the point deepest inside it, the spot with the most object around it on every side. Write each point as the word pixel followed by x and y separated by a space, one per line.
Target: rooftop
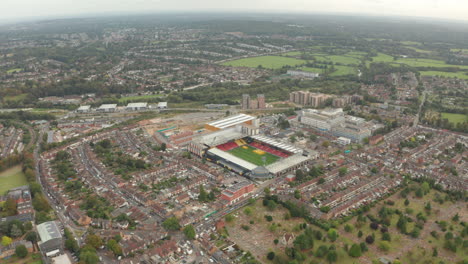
pixel 84 107
pixel 244 164
pixel 48 230
pixel 231 121
pixel 137 105
pixel 108 106
pixel 286 163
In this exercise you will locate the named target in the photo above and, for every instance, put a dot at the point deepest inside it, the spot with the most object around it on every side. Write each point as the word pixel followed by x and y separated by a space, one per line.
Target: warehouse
pixel 137 106
pixel 107 108
pixel 50 238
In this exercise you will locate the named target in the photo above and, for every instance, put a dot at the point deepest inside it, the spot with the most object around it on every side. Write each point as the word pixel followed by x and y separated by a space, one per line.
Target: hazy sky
pixel 448 9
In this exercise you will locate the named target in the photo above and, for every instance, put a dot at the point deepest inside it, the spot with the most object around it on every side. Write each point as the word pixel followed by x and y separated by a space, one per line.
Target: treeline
pixel 26 116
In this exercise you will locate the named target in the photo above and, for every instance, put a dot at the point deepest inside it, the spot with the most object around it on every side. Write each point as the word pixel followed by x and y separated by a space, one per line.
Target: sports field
pixel 270 62
pixel 253 155
pixel 455 118
pixel 11 178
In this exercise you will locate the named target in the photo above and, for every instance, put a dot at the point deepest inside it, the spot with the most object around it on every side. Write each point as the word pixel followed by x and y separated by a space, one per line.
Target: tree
pixel 89 257
pixel 229 218
pixel 326 144
pixel 113 246
pixel 342 171
pixel 21 251
pixel 321 181
pixel 6 241
pixel 94 240
pixel 248 211
pixel 321 251
pixel 435 253
pixel 406 202
pixel 355 251
pixel 71 245
pixel 10 207
pixel 31 236
pixel 363 247
pixel 297 194
pixel 360 233
pixel 171 223
pixel 369 239
pixel 384 246
pixel 203 195
pixel 332 234
pixel 189 232
pixel 332 256
pixel 386 236
pixel 16 231
pixel 348 228
pixel 271 255
pixel 271 205
pixel 40 203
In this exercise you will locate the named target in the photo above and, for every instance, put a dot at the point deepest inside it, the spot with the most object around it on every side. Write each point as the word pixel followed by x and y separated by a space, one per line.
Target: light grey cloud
pixel 449 9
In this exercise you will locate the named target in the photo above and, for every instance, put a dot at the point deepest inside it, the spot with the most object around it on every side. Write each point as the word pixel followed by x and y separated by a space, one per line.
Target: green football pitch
pixel 249 155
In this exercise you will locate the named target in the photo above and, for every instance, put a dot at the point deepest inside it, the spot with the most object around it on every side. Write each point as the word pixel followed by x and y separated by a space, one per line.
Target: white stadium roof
pixel 231 121
pixel 240 162
pixel 286 163
pixel 277 144
pixel 220 137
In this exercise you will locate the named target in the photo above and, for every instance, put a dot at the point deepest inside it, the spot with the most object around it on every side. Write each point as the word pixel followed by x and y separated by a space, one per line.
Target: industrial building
pixel 107 108
pixel 303 74
pixel 162 105
pixel 336 123
pixel 51 240
pixel 84 109
pixel 137 106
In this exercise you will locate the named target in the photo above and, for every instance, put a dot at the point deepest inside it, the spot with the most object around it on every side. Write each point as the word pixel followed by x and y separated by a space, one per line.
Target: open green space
pixel 34 258
pixel 455 118
pixel 381 57
pixel 459 75
pixel 140 97
pixel 16 98
pixel 311 69
pixel 15 70
pixel 338 59
pixel 12 178
pixel 460 50
pixel 270 62
pixel 413 43
pixel 419 50
pixel 343 70
pixel 249 155
pixel 292 53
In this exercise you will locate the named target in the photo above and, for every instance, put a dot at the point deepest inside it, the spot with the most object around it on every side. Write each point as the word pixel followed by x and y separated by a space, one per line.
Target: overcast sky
pixel 447 9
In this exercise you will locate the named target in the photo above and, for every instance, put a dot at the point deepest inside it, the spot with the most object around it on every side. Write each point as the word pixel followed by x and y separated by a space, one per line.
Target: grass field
pixel 310 69
pixel 140 97
pixel 343 70
pixel 11 178
pixel 249 155
pixel 270 62
pixel 419 50
pixel 455 118
pixel 460 50
pixel 14 70
pixel 459 75
pixel 338 59
pixel 292 53
pixel 16 98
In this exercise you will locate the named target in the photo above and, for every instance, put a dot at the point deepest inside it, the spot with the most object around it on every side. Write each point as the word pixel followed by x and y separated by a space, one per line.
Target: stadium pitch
pixel 252 155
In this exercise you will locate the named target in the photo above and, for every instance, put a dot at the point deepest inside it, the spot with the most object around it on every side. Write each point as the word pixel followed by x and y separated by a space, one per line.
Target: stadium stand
pixel 227 146
pixel 269 149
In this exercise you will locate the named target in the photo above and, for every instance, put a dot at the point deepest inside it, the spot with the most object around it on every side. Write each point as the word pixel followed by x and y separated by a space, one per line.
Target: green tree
pixel 21 251
pixel 114 246
pixel 332 256
pixel 16 231
pixel 31 236
pixel 94 240
pixel 89 257
pixel 332 234
pixel 229 218
pixel 171 223
pixel 6 241
pixel 189 232
pixel 342 171
pixel 384 246
pixel 271 255
pixel 355 251
pixel 9 207
pixel 203 195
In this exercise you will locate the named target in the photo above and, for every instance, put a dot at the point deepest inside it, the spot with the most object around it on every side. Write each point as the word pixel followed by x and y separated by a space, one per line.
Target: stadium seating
pixel 269 149
pixel 227 146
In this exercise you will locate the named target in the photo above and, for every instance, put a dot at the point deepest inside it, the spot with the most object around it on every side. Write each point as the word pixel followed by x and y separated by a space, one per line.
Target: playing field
pixel 270 62
pixel 11 178
pixel 249 154
pixel 455 118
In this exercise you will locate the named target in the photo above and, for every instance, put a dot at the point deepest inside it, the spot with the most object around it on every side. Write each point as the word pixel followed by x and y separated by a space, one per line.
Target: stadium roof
pixel 220 137
pixel 108 106
pixel 231 158
pixel 286 163
pixel 137 105
pixel 48 230
pixel 277 144
pixel 231 121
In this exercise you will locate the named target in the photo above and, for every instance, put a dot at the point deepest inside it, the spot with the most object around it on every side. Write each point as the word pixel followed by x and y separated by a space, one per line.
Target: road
pixel 416 118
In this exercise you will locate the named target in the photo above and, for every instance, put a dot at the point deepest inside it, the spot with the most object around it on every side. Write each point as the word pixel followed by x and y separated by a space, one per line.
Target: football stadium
pixel 254 156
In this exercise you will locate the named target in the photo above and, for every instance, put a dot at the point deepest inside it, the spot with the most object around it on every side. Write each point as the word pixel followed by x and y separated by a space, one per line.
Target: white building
pixel 322 120
pixel 162 105
pixel 137 106
pixel 107 108
pixel 303 74
pixel 84 109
